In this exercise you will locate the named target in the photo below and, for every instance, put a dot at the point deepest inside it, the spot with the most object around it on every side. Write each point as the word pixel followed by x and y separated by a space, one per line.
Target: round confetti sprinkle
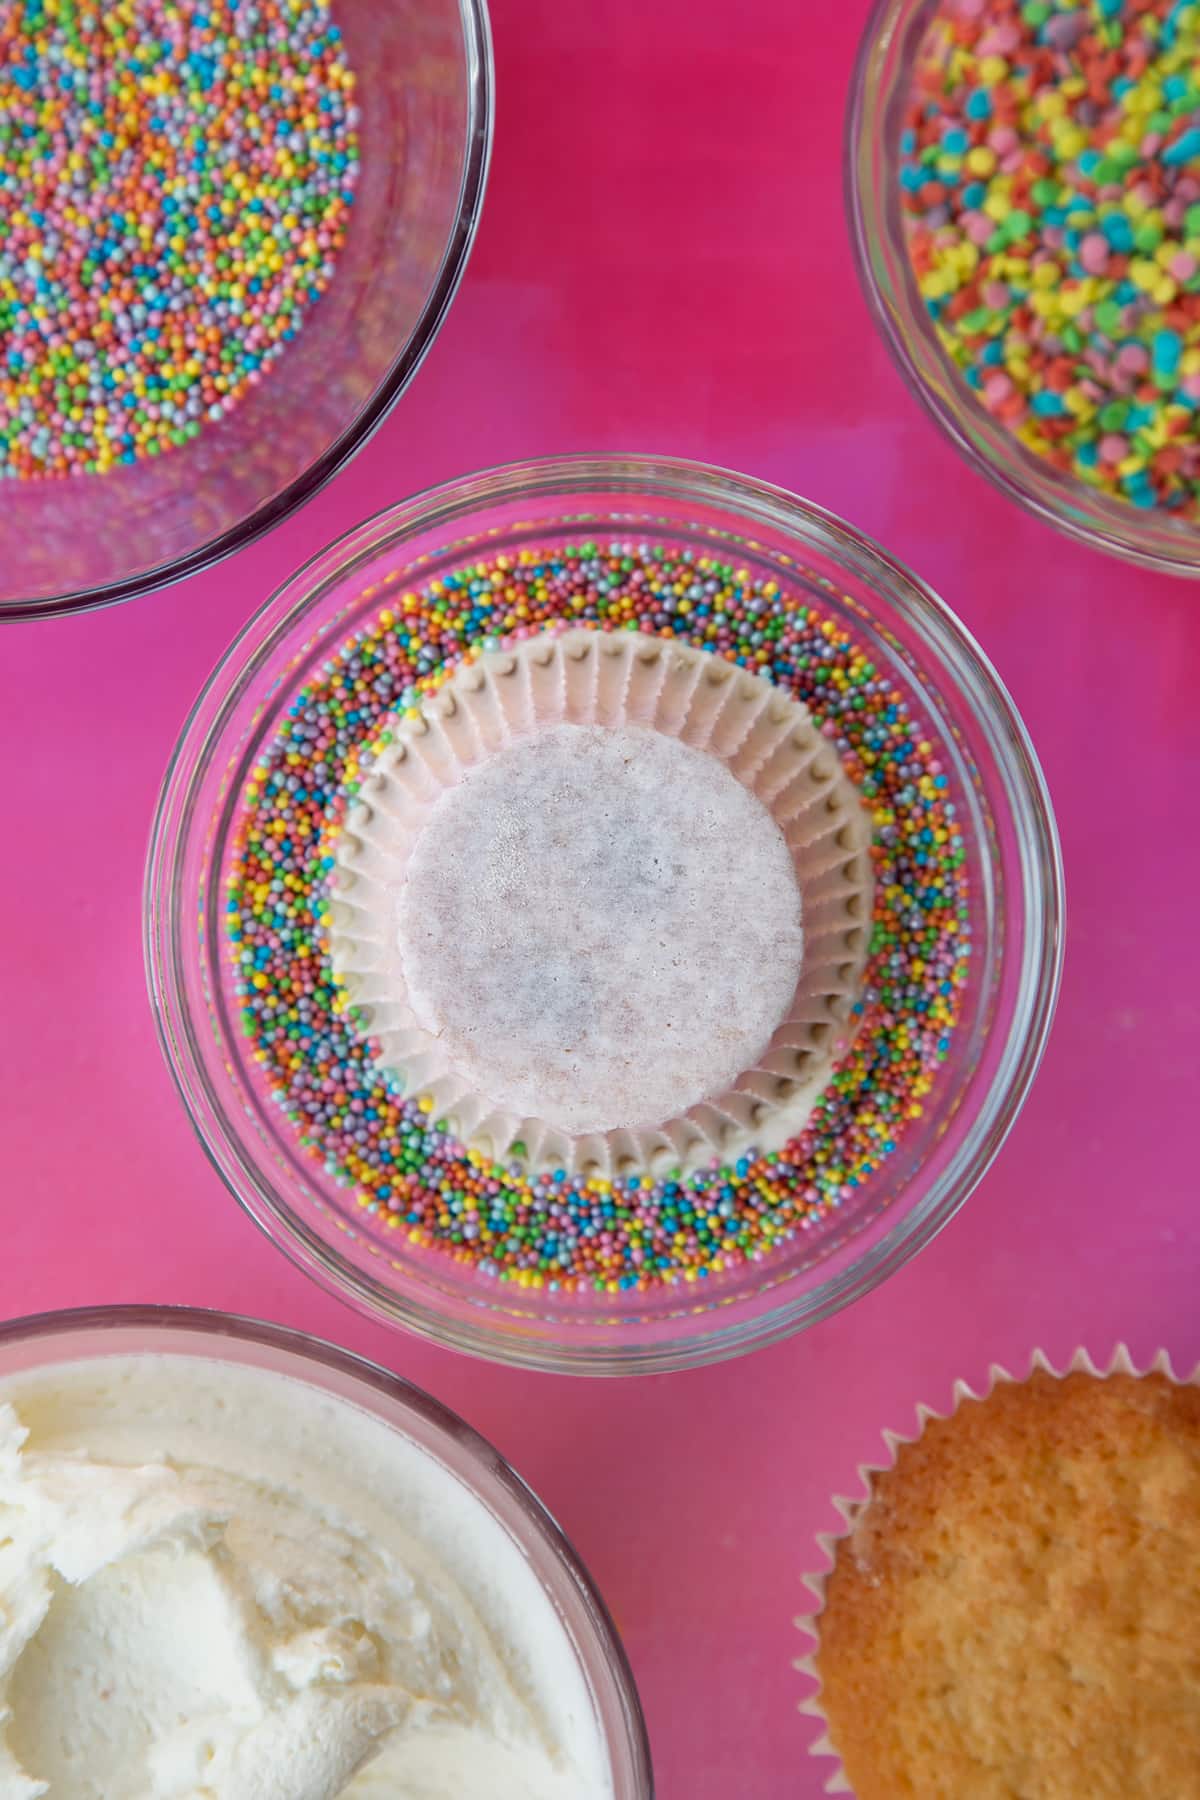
pixel 404 1169
pixel 1050 183
pixel 175 182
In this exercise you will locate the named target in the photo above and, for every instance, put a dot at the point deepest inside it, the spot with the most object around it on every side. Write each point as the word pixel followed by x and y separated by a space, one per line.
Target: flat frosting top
pixel 602 927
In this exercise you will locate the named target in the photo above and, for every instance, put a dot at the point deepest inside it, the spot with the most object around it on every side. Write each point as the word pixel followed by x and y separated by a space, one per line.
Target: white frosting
pixel 220 1584
pixel 600 926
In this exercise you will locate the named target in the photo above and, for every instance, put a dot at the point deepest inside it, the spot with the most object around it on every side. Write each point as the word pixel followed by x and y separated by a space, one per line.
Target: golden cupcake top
pixel 1015 1610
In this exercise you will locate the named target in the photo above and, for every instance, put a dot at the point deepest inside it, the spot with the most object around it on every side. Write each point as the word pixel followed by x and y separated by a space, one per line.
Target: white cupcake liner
pixel 767 740
pixel 851 1508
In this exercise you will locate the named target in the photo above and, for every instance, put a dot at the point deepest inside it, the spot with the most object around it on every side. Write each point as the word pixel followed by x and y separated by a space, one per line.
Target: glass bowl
pixel 1012 869
pixel 425 94
pixel 874 121
pixel 87 1334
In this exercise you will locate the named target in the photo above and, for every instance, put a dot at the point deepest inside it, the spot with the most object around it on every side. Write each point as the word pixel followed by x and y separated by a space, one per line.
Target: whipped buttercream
pixel 218 1583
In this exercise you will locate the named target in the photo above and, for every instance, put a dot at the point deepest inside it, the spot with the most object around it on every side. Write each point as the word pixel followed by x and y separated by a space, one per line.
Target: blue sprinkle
pixel 1166 351
pixel 1186 148
pixel 1119 232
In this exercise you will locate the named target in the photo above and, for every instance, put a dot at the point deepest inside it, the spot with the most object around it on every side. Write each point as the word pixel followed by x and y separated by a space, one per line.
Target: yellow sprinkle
pixel 1073 300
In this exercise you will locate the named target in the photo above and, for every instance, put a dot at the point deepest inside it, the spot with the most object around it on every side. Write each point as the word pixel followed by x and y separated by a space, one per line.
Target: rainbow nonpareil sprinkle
pixel 175 182
pixel 1050 183
pixel 398 1164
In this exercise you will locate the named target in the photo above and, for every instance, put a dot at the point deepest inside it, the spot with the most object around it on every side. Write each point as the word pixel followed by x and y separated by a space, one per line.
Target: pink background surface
pixel 662 266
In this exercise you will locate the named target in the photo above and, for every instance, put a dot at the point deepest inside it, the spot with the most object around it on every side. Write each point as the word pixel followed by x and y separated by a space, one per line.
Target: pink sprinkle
pixel 1011 164
pixel 1183 265
pixel 1093 253
pixel 978 227
pixel 1002 139
pixel 995 294
pixel 1191 386
pixel 999 41
pixel 997 388
pixel 1114 447
pixel 1133 359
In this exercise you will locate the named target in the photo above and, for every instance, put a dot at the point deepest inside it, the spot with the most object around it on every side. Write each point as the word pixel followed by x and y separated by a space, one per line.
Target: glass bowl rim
pixel 411 1400
pixel 1025 798
pixel 479 64
pixel 1128 544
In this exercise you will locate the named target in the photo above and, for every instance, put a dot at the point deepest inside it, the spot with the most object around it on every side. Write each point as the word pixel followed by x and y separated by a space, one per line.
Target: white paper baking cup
pixel 767 740
pixel 851 1509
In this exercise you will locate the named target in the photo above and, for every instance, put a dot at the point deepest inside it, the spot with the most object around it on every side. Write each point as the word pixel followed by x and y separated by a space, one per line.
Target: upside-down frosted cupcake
pixel 1014 1607
pixel 605 903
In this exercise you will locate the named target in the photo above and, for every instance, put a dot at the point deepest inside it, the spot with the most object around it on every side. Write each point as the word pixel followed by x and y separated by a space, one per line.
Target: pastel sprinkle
pixel 1064 281
pixel 176 178
pixel 399 1166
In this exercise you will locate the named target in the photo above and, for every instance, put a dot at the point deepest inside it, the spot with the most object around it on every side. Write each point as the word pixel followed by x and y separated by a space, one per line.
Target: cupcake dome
pixel 1014 1607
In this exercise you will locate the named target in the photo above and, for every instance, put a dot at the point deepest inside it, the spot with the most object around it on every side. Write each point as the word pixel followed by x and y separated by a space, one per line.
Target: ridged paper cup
pixel 854 1511
pixel 555 694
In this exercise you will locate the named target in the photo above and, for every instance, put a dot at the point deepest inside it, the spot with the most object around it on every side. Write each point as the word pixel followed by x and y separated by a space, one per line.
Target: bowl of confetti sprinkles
pixel 229 232
pixel 603 914
pixel 1024 193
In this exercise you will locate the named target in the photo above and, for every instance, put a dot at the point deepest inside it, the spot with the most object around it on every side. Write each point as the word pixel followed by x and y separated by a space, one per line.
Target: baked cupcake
pixel 1014 1607
pixel 605 905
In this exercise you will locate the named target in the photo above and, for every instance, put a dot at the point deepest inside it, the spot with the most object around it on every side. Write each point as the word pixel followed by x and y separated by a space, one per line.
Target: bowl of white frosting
pixel 236 1561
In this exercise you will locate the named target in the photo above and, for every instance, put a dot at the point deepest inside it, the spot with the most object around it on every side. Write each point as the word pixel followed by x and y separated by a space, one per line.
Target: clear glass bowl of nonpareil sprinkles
pixel 1022 186
pixel 230 234
pixel 663 601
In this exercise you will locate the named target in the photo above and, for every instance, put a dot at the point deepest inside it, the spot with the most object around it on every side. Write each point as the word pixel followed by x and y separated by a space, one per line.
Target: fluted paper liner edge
pixel 767 740
pixel 850 1508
